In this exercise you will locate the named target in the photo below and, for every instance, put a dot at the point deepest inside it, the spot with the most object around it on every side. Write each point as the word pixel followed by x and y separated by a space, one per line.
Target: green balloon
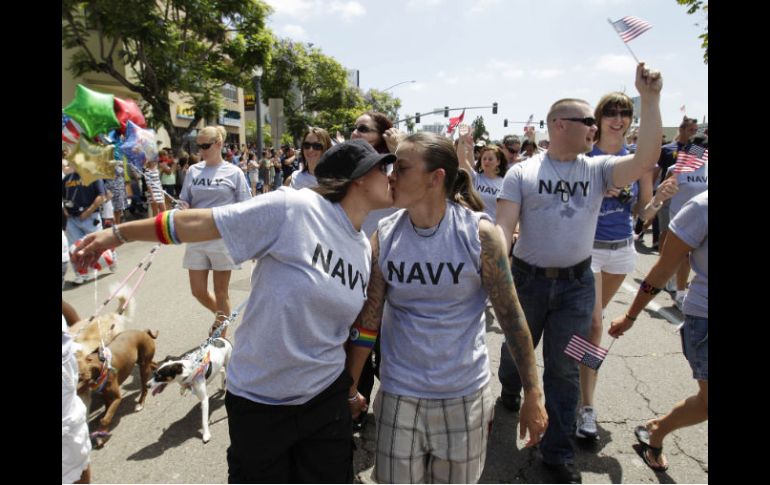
pixel 93 111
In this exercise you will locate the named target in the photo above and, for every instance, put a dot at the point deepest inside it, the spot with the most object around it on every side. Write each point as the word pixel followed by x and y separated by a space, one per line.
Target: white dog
pixel 192 372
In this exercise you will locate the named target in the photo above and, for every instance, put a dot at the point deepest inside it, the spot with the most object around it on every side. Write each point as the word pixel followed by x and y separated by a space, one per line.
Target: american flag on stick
pixel 585 352
pixel 691 160
pixel 629 28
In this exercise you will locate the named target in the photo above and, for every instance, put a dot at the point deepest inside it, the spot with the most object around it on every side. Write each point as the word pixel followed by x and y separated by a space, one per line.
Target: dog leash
pixel 199 353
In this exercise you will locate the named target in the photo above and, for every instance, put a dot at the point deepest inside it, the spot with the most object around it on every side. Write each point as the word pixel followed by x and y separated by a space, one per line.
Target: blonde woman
pixel 212 183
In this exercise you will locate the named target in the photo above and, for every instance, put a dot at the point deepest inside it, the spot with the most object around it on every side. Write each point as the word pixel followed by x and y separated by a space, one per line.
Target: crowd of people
pixel 400 245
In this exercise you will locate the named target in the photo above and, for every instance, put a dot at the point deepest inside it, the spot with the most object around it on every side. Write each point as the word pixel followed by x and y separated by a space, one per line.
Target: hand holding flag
pixel 629 28
pixel 585 352
pixel 453 122
pixel 691 160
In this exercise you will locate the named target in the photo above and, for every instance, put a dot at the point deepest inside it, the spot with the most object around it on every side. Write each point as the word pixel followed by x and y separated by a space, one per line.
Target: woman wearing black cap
pixel 287 388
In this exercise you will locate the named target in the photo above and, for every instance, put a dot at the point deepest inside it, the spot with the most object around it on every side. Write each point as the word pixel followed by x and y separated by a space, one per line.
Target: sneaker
pixel 671 286
pixel 78 279
pixel 586 423
pixel 511 402
pixel 679 300
pixel 114 267
pixel 564 472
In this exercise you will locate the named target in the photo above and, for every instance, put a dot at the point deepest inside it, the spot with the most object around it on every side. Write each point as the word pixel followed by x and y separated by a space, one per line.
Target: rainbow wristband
pixel 165 229
pixel 362 337
pixel 648 288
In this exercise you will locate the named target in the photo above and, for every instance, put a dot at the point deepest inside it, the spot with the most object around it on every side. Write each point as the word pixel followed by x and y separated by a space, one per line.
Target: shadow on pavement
pixel 189 427
pixel 663 477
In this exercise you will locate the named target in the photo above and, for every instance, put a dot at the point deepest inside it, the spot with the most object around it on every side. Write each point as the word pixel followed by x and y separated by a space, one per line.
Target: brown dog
pixel 128 348
pixel 104 327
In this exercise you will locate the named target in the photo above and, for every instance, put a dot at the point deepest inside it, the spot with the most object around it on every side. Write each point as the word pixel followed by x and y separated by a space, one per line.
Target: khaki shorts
pixel 208 255
pixel 432 440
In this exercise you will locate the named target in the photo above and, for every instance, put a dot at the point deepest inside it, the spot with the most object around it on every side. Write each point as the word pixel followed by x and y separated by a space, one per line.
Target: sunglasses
pixel 206 146
pixel 362 129
pixel 624 113
pixel 315 146
pixel 588 120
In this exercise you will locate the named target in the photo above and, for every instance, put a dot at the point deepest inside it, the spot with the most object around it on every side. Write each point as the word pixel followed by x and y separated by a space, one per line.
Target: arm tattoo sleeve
pixel 371 314
pixel 497 279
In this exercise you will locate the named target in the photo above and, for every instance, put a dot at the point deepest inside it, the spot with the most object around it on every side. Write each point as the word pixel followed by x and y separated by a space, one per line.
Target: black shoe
pixel 511 402
pixel 359 422
pixel 564 472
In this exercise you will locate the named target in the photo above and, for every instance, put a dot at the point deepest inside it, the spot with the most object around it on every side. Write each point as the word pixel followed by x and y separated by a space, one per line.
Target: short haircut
pixel 563 105
pixel 687 121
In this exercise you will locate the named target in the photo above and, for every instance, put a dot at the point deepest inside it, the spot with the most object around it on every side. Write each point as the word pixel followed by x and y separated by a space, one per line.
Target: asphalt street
pixel 644 375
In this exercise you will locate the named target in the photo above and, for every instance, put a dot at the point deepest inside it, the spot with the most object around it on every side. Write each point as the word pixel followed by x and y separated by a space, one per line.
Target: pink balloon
pixel 127 109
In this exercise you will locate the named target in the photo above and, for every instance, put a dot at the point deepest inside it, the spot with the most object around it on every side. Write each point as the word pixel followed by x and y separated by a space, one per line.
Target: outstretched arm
pixel 497 279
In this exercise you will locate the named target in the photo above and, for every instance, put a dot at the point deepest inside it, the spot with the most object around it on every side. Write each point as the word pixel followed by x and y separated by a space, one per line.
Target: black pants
pixel 307 443
pixel 371 369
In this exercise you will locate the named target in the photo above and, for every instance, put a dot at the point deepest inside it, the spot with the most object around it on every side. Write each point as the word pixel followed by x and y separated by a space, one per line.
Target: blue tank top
pixel 616 221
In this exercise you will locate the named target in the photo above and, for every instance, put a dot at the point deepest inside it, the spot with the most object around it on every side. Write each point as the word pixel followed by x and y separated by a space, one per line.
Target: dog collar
pixel 201 370
pixel 101 381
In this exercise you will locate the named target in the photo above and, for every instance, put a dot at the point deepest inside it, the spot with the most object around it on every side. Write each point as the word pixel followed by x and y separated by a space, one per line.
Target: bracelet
pixel 362 337
pixel 633 319
pixel 656 206
pixel 117 234
pixel 648 288
pixel 353 398
pixel 165 229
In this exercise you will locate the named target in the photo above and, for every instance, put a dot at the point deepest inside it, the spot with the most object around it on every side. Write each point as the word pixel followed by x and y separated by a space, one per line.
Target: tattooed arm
pixel 369 318
pixel 496 278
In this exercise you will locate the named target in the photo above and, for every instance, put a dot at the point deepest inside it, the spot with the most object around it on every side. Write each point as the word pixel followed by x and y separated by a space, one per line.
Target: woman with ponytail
pixel 434 264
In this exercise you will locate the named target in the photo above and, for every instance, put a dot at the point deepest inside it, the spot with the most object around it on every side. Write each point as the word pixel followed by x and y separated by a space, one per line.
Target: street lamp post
pixel 258 109
pixel 398 84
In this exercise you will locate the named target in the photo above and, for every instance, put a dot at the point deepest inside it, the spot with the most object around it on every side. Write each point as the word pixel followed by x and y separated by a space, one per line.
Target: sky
pixel 524 55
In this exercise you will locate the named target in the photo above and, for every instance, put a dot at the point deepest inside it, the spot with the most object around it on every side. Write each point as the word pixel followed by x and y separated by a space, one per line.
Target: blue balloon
pixel 139 146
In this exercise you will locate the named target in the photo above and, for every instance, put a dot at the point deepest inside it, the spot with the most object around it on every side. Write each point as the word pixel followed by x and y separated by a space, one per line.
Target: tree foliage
pixel 189 47
pixel 692 7
pixel 479 130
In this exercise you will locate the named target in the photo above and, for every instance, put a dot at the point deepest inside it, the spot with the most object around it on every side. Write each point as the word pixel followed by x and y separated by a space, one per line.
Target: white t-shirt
pixel 288 349
pixel 301 180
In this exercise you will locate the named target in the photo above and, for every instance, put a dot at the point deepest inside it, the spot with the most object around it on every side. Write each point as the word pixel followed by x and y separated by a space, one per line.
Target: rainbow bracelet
pixel 362 337
pixel 165 229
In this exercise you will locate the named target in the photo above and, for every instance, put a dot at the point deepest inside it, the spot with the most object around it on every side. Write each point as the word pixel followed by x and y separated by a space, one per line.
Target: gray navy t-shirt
pixel 302 180
pixel 488 189
pixel 691 225
pixel 433 325
pixel 690 184
pixel 287 350
pixel 206 187
pixel 555 233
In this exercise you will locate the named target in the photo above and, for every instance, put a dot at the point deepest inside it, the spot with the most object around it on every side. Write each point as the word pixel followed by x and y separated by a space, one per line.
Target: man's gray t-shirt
pixel 690 184
pixel 301 180
pixel 289 349
pixel 206 187
pixel 433 325
pixel 488 189
pixel 557 222
pixel 691 225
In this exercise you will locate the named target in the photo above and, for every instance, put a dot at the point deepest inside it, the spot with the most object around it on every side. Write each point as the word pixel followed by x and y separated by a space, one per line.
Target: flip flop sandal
pixel 643 436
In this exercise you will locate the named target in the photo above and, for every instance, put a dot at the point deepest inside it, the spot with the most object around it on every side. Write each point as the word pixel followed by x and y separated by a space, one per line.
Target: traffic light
pixel 446 111
pixel 417 117
pixel 505 123
pixel 494 108
pixel 542 124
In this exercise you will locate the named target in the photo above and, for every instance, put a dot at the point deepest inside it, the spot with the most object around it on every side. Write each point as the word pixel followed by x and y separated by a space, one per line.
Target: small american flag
pixel 70 130
pixel 585 352
pixel 691 160
pixel 629 28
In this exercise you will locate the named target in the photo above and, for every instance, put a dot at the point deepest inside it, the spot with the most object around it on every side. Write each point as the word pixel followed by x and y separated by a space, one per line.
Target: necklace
pixel 562 185
pixel 424 232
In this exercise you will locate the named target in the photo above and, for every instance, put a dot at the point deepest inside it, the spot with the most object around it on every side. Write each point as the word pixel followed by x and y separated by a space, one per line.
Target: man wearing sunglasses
pixel 512 148
pixel 556 196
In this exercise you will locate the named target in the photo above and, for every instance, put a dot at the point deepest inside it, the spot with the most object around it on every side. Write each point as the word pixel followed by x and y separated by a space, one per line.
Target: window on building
pixel 230 93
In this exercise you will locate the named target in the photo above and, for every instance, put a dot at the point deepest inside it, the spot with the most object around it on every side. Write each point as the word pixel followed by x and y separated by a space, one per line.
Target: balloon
pixel 93 162
pixel 106 259
pixel 117 153
pixel 93 111
pixel 128 110
pixel 139 145
pixel 70 130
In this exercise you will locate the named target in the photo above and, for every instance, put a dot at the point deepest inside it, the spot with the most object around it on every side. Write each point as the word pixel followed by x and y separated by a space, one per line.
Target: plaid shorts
pixel 432 440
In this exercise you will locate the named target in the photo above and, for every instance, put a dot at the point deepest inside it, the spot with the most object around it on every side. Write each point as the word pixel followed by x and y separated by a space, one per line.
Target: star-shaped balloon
pixel 70 131
pixel 126 110
pixel 94 112
pixel 139 146
pixel 93 161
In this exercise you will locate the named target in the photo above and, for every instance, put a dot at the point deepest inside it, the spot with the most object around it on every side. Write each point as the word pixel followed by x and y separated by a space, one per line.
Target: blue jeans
pixel 695 345
pixel 77 229
pixel 556 309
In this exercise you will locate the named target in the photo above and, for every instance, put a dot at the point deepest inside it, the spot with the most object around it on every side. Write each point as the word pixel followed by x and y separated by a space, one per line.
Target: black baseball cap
pixel 350 160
